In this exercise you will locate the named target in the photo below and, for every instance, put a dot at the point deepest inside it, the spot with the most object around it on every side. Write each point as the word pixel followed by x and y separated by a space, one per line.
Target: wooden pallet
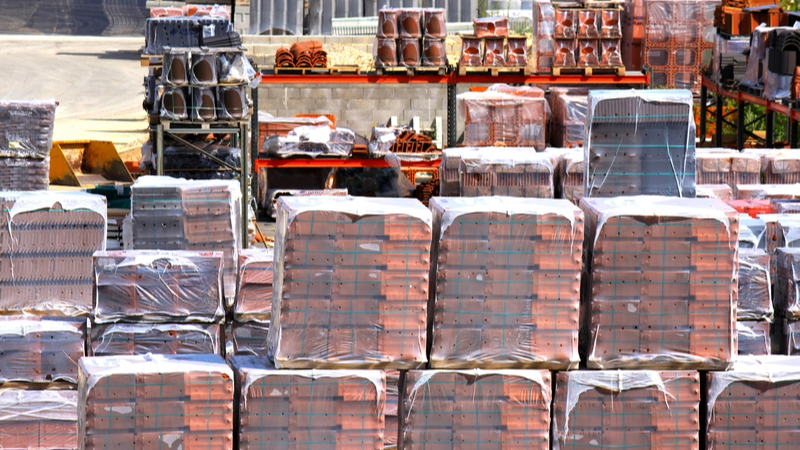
pixel 411 71
pixel 494 71
pixel 336 70
pixel 588 71
pixel 151 60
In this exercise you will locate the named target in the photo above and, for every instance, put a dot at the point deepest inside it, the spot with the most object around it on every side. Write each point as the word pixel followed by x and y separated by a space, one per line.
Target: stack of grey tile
pixel 26 135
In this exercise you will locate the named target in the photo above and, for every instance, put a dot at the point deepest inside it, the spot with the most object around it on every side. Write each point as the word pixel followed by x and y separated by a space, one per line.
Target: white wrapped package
pixel 38 420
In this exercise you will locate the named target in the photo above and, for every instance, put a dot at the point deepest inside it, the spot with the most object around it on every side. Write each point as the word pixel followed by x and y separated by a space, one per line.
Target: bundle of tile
pixel 302 54
pixel 545 44
pixel 629 408
pixel 640 142
pixel 754 337
pixel 41 350
pixel 754 404
pixel 499 48
pixel 507 283
pixel 724 166
pixel 40 419
pixel 391 416
pixel 589 37
pixel 351 283
pixel 26 135
pixel 152 401
pixel 47 241
pixel 780 230
pixel 572 176
pixel 410 37
pixel 728 60
pixel 754 310
pixel 787 296
pixel 784 206
pixel 660 283
pixel 308 408
pixel 445 409
pixel 162 338
pixel 252 310
pixel 178 214
pixel 492 118
pixel 569 117
pixel 246 338
pixel 781 168
pixel 514 172
pixel 181 32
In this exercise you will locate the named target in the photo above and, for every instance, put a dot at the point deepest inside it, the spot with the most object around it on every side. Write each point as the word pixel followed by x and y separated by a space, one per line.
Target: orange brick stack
pixel 351 282
pixel 755 405
pixel 660 283
pixel 507 283
pixel 627 409
pixel 499 118
pixel 38 419
pixel 309 409
pixel 254 291
pixel 142 338
pixel 513 172
pixel 445 410
pixel 155 401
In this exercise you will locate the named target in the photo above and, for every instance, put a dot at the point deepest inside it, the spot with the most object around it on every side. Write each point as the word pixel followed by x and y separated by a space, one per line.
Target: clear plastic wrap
pixel 366 305
pixel 24 174
pixel 786 337
pixel 768 191
pixel 435 23
pixel 38 420
pixel 611 55
pixel 390 413
pixel 232 103
pixel 754 338
pixel 517 52
pixel 572 172
pixel 174 104
pixel 41 350
pixel 776 87
pixel 410 53
pixel 254 293
pixel 630 408
pixel 409 22
pixel 434 52
pixel 752 233
pixel 515 172
pixel 471 53
pixel 610 25
pixel 755 286
pixel 308 408
pixel 659 283
pixel 151 401
pixel 756 71
pixel 507 283
pixel 720 191
pixel 194 215
pixel 494 117
pixel 723 44
pixel 165 339
pixel 387 23
pixel 752 405
pixel 784 206
pixel 640 142
pixel 47 239
pixel 312 141
pixel 723 166
pixel 545 45
pixel 488 27
pixel 385 52
pixel 587 23
pixel 569 116
pixel 564 24
pixel 26 128
pixel 246 338
pixel 204 105
pixel 182 32
pixel 487 409
pixel 565 53
pixel 158 286
pixel 494 52
pixel 781 167
pixel 787 295
pixel 588 53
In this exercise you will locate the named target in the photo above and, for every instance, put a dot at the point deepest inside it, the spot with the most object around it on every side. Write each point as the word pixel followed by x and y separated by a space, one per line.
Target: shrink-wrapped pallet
pixel 754 337
pixel 492 118
pixel 659 283
pixel 246 338
pixel 162 338
pixel 785 337
pixel 470 409
pixel 754 405
pixel 351 283
pixel 310 409
pixel 782 167
pixel 254 291
pixel 34 350
pixel 768 191
pixel 643 409
pixel 514 172
pixel 177 402
pixel 755 286
pixel 640 142
pixel 38 419
pixel 569 116
pixel 723 166
pixel 507 283
pixel 26 128
pixel 787 281
pixel 158 286
pixel 177 214
pixel 46 244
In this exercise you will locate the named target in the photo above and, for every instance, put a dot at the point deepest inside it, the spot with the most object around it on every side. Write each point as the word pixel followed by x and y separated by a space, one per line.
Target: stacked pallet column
pixel 252 311
pixel 26 135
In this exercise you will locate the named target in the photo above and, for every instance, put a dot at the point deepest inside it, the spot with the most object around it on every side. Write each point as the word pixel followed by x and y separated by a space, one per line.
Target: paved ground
pixel 97 82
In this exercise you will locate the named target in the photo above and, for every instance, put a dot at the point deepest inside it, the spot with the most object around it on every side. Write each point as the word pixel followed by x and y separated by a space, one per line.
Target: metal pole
pixel 160 149
pixel 703 111
pixel 245 182
pixel 451 115
pixel 718 119
pixel 740 127
pixel 770 137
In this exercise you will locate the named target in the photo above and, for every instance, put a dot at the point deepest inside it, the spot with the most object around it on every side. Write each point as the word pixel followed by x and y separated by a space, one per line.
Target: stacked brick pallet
pixel 26 135
pixel 400 37
pixel 492 46
pixel 640 143
pixel 500 118
pixel 569 117
pixel 166 302
pixel 660 283
pixel 787 300
pixel 587 38
pixel 754 311
pixel 252 311
pixel 723 166
pixel 38 419
pixel 156 401
pixel 572 175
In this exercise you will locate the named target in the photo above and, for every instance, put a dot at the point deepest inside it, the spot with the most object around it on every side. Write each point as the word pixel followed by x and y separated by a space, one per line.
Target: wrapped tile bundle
pixel 644 409
pixel 569 116
pixel 507 283
pixel 158 286
pixel 752 234
pixel 754 404
pixel 545 45
pixel 660 283
pixel 781 230
pixel 755 286
pixel 787 295
pixel 768 191
pixel 155 401
pixel 165 338
pixel 782 168
pixel 470 409
pixel 34 419
pixel 449 178
pixel 24 174
pixel 254 291
pixel 246 338
pixel 640 142
pixel 26 128
pixel 722 166
pixel 754 337
pixel 572 176
pixel 41 350
pixel 786 337
pixel 498 118
pixel 177 214
pixel 330 409
pixel 351 283
pixel 514 172
pixel 720 191
pixel 46 244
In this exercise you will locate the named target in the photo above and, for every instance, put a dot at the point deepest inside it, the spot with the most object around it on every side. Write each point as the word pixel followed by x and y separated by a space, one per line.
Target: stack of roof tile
pixel 754 310
pixel 351 283
pixel 162 338
pixel 38 419
pixel 26 135
pixel 331 409
pixel 660 283
pixel 151 401
pixel 42 350
pixel 252 310
pixel 569 117
pixel 507 283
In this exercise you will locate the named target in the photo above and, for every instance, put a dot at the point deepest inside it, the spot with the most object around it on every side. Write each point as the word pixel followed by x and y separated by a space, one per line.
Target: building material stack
pixel 787 302
pixel 502 118
pixel 724 166
pixel 659 283
pixel 156 401
pixel 572 175
pixel 411 37
pixel 492 45
pixel 754 311
pixel 640 142
pixel 26 135
pixel 587 37
pixel 41 419
pixel 569 117
pixel 252 311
